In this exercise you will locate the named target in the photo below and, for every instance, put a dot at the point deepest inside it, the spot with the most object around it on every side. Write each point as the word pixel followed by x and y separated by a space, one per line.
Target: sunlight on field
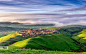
pixel 50 28
pixel 21 43
pixel 4 38
pixel 83 34
pixel 81 37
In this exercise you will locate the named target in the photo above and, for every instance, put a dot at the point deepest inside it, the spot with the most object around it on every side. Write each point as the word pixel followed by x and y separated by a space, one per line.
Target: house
pixel 29 30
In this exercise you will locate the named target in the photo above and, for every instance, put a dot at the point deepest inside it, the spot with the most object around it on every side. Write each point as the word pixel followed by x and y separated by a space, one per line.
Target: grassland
pixel 33 51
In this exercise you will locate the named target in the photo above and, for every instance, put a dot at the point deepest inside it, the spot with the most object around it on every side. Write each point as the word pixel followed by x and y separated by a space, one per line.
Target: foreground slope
pixel 57 42
pixel 33 51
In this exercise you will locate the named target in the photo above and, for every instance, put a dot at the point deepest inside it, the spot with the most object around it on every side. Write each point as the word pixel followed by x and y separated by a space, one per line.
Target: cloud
pixel 81 22
pixel 30 18
pixel 28 5
pixel 58 12
pixel 75 9
pixel 57 19
pixel 20 9
pixel 5 0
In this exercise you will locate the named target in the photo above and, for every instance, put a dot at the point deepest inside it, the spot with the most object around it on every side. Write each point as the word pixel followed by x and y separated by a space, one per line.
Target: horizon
pixel 60 13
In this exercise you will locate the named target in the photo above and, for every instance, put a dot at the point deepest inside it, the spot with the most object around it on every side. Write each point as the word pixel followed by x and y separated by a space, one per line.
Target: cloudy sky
pixel 58 12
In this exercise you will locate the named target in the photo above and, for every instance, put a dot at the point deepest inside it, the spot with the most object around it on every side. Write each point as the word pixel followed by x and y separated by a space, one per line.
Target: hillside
pixel 49 39
pixel 81 37
pixel 71 30
pixel 57 42
pixel 5 38
pixel 24 34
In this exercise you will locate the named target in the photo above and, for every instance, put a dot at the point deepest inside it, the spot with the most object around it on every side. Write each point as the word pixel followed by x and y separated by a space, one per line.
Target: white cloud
pixel 44 19
pixel 5 0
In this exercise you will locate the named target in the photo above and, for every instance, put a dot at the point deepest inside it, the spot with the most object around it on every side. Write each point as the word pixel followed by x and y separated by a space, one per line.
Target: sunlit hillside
pixel 81 37
pixel 49 40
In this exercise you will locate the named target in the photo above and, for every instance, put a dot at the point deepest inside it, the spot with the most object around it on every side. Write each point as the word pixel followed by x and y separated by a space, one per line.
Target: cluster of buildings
pixel 36 32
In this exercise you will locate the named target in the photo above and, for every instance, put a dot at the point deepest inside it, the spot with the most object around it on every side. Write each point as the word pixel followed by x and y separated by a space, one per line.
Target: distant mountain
pixel 42 24
pixel 9 29
pixel 76 26
pixel 9 23
pixel 27 24
pixel 15 26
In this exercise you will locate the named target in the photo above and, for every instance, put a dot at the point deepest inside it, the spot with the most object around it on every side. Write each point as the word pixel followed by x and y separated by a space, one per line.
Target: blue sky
pixel 39 6
pixel 59 12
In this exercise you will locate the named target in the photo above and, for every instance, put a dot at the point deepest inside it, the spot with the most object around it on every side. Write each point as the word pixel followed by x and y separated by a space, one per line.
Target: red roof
pixel 30 29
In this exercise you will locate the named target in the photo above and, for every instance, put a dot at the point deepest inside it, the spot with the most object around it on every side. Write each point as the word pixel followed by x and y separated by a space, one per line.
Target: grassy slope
pixel 81 37
pixel 70 31
pixel 21 43
pixel 50 42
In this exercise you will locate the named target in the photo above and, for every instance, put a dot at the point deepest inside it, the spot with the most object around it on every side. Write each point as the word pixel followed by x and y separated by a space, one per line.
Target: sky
pixel 58 12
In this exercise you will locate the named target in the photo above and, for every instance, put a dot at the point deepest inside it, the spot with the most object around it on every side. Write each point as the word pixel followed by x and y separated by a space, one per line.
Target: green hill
pixel 57 42
pixel 71 30
pixel 70 39
pixel 81 37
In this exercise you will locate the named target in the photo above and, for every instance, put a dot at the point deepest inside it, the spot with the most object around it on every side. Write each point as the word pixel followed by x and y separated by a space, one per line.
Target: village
pixel 36 32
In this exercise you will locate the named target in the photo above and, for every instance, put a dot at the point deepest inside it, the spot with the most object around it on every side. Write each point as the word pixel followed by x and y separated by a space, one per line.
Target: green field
pixel 33 51
pixel 46 44
pixel 50 28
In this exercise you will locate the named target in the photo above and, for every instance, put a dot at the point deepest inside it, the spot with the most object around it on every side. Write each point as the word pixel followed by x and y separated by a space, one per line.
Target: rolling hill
pixel 69 39
pixel 71 30
pixel 57 42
